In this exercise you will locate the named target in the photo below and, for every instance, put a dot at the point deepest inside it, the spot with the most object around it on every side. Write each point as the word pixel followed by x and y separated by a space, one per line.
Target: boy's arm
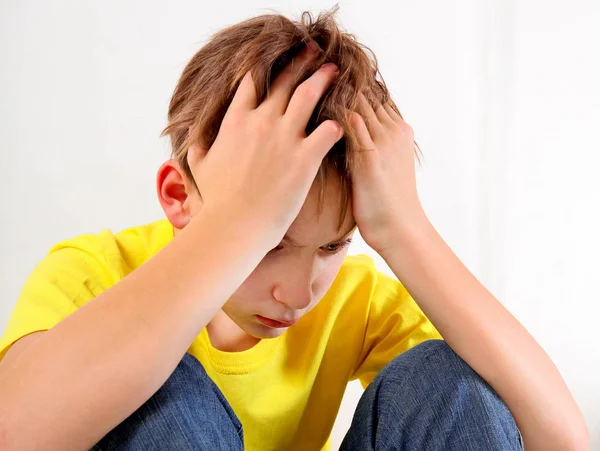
pixel 88 373
pixel 479 329
pixel 77 381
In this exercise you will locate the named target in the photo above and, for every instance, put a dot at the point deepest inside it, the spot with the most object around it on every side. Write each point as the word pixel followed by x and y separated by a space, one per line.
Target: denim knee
pixel 429 398
pixel 187 412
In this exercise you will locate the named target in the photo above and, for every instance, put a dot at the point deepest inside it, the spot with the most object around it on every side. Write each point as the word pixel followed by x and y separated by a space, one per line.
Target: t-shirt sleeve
pixel 63 281
pixel 395 324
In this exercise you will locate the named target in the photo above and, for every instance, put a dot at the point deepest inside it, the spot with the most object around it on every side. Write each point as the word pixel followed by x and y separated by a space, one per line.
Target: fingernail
pixel 331 66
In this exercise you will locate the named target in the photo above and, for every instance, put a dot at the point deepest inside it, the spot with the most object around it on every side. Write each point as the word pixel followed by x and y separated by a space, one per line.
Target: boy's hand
pixel 384 189
pixel 262 165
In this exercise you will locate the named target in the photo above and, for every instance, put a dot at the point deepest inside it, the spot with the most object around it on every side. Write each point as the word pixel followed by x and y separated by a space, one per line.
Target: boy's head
pixel 289 281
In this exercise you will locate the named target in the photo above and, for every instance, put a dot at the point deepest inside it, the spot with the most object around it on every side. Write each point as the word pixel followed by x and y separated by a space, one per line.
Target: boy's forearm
pixel 97 366
pixel 488 338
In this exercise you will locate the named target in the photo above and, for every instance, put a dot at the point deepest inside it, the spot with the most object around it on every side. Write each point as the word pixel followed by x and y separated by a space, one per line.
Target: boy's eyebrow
pixel 288 240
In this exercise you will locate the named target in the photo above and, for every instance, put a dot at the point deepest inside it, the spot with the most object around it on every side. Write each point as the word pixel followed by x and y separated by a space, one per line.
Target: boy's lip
pixel 275 322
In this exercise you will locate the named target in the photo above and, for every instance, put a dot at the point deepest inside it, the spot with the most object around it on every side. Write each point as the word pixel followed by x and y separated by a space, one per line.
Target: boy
pixel 237 321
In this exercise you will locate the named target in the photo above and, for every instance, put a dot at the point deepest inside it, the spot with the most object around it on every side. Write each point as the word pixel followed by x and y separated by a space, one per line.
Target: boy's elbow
pixel 4 434
pixel 576 441
pixel 582 442
pixel 10 438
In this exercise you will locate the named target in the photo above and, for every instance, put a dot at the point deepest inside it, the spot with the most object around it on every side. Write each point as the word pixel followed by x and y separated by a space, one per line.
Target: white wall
pixel 503 96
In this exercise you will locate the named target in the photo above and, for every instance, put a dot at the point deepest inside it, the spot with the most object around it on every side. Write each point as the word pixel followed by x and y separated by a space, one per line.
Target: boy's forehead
pixel 312 226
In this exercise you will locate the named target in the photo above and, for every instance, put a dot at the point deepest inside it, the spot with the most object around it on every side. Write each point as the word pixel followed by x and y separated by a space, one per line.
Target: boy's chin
pixel 260 331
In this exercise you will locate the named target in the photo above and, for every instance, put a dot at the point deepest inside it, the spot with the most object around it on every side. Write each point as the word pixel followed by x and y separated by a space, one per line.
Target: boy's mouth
pixel 274 323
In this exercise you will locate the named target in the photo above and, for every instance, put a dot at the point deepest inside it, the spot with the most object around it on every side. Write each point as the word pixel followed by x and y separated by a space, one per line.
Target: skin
pixel 290 280
pixel 471 320
pixel 391 219
pixel 137 331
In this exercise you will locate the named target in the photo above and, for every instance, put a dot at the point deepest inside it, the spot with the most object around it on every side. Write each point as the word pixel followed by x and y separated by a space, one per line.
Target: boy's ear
pixel 177 194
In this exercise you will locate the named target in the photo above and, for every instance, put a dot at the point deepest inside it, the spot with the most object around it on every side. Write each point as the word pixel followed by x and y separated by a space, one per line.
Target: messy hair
pixel 264 45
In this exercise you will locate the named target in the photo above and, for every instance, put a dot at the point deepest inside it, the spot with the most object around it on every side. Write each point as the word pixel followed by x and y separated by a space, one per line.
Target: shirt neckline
pixel 242 362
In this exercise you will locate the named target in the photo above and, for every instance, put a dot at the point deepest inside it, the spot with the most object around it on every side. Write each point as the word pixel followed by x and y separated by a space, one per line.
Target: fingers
pixel 370 118
pixel 383 116
pixel 281 88
pixel 307 96
pixel 397 119
pixel 322 139
pixel 364 138
pixel 392 113
pixel 245 96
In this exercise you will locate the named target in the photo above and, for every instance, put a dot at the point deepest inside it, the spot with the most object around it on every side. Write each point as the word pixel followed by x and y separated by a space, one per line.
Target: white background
pixel 504 97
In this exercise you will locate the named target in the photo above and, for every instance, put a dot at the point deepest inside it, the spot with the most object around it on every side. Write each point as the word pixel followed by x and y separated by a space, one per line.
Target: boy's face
pixel 290 280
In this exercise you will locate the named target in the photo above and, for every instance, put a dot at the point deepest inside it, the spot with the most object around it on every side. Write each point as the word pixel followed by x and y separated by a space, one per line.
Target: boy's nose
pixel 293 296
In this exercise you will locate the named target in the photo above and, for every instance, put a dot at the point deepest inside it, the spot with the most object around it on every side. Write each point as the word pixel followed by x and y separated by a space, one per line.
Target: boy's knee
pixel 429 359
pixel 189 369
pixel 430 373
pixel 187 412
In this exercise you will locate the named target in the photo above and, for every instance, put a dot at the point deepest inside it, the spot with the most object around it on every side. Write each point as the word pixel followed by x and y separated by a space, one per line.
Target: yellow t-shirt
pixel 286 391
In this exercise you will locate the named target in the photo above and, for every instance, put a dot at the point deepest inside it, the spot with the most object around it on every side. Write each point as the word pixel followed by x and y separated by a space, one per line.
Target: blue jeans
pixel 425 399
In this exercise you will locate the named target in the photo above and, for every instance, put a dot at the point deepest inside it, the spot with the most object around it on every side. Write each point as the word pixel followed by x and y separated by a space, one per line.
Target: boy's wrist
pixel 248 232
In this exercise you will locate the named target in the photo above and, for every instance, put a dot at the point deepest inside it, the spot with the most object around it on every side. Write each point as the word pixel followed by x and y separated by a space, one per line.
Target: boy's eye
pixel 330 248
pixel 336 247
